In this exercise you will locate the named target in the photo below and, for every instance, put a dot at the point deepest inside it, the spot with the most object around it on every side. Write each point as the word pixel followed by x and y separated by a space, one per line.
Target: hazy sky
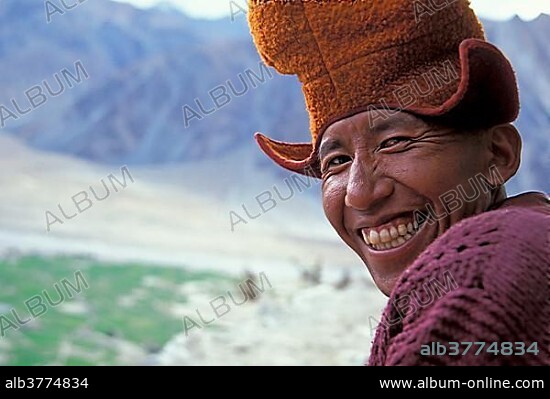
pixel 493 9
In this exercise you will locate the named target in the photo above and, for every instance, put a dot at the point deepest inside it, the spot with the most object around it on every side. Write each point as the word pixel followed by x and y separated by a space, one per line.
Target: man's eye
pixel 393 142
pixel 338 160
pixel 335 161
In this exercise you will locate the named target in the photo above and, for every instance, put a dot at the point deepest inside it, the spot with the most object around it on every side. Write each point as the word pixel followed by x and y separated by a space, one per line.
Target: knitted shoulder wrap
pixel 487 279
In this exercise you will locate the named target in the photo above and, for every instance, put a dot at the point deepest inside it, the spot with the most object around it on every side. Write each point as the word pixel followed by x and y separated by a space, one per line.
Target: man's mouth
pixel 392 234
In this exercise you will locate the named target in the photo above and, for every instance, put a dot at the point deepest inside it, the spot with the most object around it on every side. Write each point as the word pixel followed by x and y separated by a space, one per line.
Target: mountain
pixel 148 70
pixel 525 44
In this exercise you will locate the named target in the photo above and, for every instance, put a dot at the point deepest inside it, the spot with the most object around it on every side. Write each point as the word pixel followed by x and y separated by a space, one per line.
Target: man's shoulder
pixel 502 255
pixel 512 240
pixel 486 279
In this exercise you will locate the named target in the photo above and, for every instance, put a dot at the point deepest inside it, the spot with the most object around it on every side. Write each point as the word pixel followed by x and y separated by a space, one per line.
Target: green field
pixel 123 304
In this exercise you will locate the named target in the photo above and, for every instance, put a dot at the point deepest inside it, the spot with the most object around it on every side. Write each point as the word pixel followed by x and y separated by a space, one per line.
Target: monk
pixel 411 113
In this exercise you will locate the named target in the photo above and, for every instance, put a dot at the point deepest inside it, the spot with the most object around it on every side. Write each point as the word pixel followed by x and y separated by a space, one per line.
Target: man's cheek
pixel 335 212
pixel 334 215
pixel 452 201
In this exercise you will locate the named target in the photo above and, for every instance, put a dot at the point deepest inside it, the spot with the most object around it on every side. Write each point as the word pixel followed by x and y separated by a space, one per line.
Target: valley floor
pixel 162 248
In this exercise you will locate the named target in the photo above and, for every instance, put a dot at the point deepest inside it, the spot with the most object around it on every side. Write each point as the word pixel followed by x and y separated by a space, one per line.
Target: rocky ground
pixel 296 322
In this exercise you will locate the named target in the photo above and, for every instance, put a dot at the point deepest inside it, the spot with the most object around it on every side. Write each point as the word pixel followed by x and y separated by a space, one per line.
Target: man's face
pixel 376 177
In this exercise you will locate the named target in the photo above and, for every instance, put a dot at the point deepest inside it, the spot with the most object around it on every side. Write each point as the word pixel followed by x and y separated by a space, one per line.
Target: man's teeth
pixel 390 238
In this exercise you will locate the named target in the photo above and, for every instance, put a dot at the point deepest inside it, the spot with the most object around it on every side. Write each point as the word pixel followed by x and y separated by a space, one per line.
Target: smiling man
pixel 411 136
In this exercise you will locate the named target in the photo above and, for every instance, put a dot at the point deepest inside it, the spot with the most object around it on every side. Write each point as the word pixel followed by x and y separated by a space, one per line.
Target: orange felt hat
pixel 427 57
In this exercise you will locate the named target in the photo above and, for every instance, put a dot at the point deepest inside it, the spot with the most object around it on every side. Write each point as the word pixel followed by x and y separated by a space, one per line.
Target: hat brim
pixel 487 95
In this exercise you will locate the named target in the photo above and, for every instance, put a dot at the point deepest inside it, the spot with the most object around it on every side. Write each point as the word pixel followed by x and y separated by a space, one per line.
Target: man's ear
pixel 505 146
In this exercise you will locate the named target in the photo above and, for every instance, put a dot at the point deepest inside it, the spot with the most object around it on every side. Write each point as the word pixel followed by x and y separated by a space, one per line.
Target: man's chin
pixel 386 286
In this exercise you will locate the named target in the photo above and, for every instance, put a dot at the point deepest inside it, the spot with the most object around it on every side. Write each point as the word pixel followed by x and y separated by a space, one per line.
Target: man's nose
pixel 367 188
